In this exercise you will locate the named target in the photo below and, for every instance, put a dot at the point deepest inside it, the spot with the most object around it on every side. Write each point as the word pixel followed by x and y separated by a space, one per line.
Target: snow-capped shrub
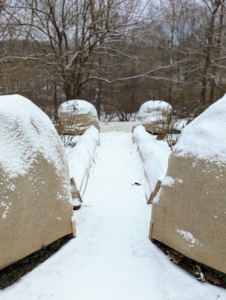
pixel 76 116
pixel 154 115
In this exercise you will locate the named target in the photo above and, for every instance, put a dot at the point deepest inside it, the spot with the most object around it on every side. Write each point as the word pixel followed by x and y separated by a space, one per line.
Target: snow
pixel 151 105
pixel 204 137
pixel 154 115
pixel 168 180
pixel 25 132
pixel 154 155
pixel 152 111
pixel 157 197
pixel 81 157
pixel 180 124
pixel 6 206
pixel 188 236
pixel 111 257
pixel 116 126
pixel 79 106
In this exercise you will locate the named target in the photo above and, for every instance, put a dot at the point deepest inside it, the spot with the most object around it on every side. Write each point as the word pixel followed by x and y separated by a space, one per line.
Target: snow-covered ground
pixel 116 126
pixel 112 258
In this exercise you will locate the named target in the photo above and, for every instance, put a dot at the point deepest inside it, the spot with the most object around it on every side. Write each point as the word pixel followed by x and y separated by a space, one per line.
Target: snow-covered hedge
pixel 189 214
pixel 154 155
pixel 81 158
pixel 76 116
pixel 35 207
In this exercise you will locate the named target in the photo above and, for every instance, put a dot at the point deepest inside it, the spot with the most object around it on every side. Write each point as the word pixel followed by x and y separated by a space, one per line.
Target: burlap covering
pixel 34 206
pixel 154 118
pixel 190 213
pixel 74 120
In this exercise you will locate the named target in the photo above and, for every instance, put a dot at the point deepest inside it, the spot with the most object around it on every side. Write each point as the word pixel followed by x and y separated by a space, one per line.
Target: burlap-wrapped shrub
pixel 154 115
pixel 189 212
pixel 35 207
pixel 76 116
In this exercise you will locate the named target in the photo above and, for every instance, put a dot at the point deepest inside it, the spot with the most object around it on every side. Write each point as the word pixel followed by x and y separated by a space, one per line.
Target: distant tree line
pixel 116 54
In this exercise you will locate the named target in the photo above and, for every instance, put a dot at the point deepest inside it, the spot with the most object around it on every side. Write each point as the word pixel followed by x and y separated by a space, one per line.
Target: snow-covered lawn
pixel 112 258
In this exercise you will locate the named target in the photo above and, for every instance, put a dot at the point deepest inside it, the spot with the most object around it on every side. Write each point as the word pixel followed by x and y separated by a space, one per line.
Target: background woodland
pixel 116 54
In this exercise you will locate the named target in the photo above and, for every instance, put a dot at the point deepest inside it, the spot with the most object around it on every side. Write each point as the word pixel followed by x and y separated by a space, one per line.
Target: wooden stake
pixel 73 225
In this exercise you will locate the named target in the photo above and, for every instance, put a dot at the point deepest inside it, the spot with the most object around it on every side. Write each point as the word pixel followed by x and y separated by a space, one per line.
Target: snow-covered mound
pixel 81 158
pixel 154 115
pixel 34 184
pixel 205 136
pixel 154 155
pixel 76 116
pixel 189 212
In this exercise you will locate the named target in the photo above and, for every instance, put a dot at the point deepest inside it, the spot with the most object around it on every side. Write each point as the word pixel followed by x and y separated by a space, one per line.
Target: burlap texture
pixel 190 215
pixel 75 124
pixel 34 211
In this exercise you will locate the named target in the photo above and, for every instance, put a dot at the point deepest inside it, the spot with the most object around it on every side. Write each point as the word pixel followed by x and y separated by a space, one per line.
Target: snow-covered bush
pixel 76 116
pixel 189 212
pixel 35 207
pixel 154 115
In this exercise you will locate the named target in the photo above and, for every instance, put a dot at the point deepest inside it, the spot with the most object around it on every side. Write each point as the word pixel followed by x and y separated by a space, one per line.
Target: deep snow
pixel 81 158
pixel 112 258
pixel 26 132
pixel 154 156
pixel 204 137
pixel 78 106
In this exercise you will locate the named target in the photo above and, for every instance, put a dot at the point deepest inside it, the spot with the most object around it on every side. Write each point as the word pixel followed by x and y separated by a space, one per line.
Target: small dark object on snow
pixel 72 144
pixel 76 207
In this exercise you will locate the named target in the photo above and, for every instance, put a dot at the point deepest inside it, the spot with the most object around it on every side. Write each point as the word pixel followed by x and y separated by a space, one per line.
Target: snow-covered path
pixel 112 258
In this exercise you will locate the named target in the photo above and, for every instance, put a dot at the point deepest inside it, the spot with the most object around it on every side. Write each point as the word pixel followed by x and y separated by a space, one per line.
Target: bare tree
pixel 213 8
pixel 71 37
pixel 115 53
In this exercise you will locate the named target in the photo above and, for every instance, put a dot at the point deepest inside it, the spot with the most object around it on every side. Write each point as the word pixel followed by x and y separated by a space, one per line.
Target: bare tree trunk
pixel 170 93
pixel 55 101
pixel 209 50
pixel 218 52
pixel 98 99
pixel 204 86
pixel 212 90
